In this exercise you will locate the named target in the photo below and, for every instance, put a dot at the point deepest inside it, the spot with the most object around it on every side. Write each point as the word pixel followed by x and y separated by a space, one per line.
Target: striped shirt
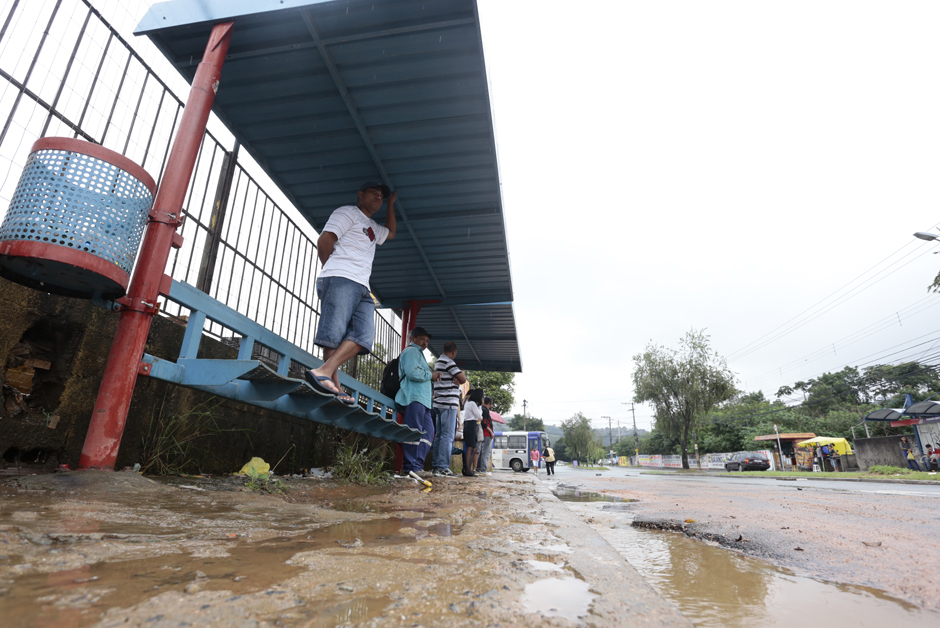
pixel 446 391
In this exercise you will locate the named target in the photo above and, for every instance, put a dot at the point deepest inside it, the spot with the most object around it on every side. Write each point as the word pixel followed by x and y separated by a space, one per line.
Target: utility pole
pixel 525 416
pixel 618 430
pixel 636 437
pixel 610 433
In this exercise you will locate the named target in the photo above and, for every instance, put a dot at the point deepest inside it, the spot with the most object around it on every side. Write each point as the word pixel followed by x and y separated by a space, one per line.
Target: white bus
pixel 513 450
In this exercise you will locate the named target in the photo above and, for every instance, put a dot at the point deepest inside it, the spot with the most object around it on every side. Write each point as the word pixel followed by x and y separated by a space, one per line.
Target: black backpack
pixel 391 382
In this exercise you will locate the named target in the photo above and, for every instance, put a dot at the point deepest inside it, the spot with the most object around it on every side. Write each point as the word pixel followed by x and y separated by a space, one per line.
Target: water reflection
pixel 718 588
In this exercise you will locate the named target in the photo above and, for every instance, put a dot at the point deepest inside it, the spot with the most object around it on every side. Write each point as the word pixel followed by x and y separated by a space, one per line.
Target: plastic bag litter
pixel 256 467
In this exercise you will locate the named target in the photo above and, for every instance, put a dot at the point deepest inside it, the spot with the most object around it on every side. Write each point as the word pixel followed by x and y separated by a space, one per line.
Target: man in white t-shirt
pixel 347 312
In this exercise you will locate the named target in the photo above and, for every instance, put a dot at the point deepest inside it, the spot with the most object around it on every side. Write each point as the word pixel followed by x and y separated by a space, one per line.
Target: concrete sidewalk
pixel 118 549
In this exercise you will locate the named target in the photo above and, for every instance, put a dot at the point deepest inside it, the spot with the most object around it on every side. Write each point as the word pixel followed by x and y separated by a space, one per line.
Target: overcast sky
pixel 720 165
pixel 737 167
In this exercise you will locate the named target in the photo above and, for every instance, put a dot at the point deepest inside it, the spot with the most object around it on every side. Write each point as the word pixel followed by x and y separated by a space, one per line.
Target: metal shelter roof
pixel 326 94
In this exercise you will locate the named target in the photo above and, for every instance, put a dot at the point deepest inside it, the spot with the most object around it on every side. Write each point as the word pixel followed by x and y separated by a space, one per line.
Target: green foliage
pixel 683 385
pixel 561 450
pixel 579 437
pixel 881 384
pixel 880 469
pixel 360 466
pixel 368 368
pixel 520 423
pixel 498 386
pixel 170 442
pixel 264 483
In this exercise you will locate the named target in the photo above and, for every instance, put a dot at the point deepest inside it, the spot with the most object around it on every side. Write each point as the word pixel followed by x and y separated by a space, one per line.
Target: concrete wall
pixel 65 343
pixel 884 450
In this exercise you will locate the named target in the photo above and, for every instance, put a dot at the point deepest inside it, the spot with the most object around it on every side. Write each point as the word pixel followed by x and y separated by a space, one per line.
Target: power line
pixel 796 322
pixel 885 323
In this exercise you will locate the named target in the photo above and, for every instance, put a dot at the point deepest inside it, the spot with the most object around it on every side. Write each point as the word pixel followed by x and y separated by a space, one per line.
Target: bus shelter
pixel 325 95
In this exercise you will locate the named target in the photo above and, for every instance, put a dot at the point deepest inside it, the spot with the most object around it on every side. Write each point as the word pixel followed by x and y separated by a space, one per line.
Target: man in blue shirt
pixel 415 397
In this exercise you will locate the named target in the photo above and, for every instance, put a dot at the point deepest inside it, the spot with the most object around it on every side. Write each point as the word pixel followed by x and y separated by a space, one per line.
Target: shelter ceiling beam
pixel 464 332
pixel 391 32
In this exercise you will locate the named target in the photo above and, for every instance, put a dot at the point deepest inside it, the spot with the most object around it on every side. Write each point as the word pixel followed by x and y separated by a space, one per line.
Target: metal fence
pixel 67 72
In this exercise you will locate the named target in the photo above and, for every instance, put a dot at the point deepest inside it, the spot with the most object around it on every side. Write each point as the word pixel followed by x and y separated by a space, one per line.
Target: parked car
pixel 747 461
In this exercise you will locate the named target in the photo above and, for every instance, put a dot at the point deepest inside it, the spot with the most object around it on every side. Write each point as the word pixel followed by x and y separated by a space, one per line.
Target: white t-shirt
pixel 472 412
pixel 356 238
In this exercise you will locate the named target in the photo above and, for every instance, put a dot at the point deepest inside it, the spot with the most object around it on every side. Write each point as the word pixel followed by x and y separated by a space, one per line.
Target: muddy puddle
pixel 85 555
pixel 717 588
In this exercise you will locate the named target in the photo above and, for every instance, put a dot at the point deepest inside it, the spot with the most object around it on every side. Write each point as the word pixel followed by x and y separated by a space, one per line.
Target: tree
pixel 497 386
pixel 579 436
pixel 561 450
pixel 683 385
pixel 519 422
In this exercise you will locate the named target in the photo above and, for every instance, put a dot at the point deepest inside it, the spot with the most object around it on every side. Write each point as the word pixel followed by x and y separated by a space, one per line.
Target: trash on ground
pixel 256 467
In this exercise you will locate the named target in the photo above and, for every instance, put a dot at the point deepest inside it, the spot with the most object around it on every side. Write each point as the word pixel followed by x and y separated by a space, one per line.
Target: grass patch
pixel 901 473
pixel 170 440
pixel 360 466
pixel 586 468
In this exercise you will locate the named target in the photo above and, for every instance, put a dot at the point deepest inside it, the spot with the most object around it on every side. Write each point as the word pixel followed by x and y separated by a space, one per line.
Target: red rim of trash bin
pixel 44 251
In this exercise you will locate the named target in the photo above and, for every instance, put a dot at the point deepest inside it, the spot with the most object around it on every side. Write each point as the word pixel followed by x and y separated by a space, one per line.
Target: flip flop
pixel 314 381
pixel 347 399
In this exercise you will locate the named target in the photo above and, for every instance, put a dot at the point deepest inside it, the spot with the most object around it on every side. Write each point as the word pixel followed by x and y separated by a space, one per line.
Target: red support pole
pixel 114 396
pixel 405 313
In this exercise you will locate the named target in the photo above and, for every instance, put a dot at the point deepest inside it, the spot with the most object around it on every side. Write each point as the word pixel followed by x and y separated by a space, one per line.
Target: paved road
pixel 863 533
pixel 566 472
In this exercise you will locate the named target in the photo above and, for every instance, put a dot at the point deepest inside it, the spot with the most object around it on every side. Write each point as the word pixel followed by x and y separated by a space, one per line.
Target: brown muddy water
pixel 719 588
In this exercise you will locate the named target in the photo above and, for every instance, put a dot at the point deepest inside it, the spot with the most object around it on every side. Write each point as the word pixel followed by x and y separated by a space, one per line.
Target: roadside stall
pixel 786 457
pixel 845 457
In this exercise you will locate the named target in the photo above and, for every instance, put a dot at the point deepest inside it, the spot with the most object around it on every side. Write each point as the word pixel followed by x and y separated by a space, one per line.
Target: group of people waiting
pixel 433 403
pixel 931 458
pixel 827 454
pixel 430 401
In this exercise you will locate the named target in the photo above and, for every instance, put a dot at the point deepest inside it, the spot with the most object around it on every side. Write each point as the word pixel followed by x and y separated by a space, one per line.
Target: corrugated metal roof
pixel 328 94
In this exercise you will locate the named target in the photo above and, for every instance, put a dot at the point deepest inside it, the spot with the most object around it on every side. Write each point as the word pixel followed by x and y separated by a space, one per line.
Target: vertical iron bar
pixel 153 129
pixel 6 22
pixel 94 81
pixel 251 229
pixel 241 223
pixel 65 77
pixel 189 200
pixel 217 220
pixel 140 99
pixel 166 152
pixel 277 242
pixel 29 72
pixel 117 96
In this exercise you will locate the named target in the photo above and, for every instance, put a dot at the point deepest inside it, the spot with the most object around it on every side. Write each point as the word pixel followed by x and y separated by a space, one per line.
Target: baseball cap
pixel 378 186
pixel 420 331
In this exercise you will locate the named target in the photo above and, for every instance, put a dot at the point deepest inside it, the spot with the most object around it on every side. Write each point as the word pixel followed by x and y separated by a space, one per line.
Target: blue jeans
pixel 347 312
pixel 445 427
pixel 913 464
pixel 414 453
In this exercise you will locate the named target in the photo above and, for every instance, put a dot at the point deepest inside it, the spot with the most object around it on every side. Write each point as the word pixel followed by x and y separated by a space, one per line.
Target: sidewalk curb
pixel 622 591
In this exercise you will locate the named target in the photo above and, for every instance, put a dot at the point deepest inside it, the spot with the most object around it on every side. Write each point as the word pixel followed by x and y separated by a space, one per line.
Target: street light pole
pixel 525 416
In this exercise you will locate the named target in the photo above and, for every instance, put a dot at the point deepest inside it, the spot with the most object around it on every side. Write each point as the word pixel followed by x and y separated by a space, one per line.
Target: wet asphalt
pixel 859 533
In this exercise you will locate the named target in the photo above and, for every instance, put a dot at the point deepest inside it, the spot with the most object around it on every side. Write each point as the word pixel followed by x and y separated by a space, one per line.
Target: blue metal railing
pixel 252 381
